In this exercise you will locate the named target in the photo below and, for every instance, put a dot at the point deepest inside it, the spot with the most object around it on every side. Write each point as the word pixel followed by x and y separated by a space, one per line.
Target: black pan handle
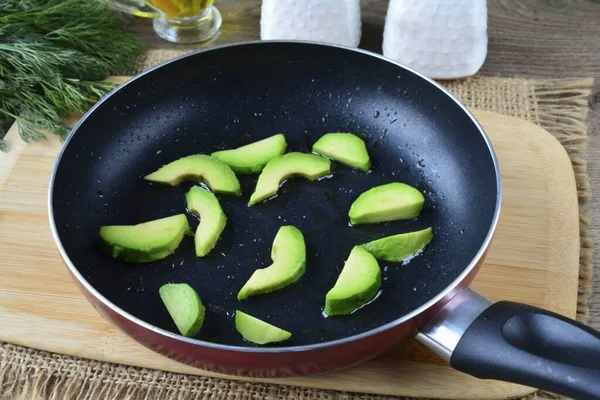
pixel 519 343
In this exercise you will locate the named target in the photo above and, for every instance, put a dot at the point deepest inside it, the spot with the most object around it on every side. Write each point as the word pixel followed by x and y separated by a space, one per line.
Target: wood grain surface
pixel 533 259
pixel 527 38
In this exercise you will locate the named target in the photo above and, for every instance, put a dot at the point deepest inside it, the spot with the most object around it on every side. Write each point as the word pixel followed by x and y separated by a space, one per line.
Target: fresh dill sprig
pixel 54 55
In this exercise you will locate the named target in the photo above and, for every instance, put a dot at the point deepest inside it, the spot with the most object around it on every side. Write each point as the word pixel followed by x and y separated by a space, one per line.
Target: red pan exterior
pixel 257 363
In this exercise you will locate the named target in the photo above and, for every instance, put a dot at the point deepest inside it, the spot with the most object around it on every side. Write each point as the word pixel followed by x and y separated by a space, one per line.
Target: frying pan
pixel 416 132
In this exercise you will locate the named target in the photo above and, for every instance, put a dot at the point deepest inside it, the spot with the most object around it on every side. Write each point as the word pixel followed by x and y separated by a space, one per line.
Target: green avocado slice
pixel 390 202
pixel 145 242
pixel 258 331
pixel 252 158
pixel 309 166
pixel 184 306
pixel 346 148
pixel 212 218
pixel 198 167
pixel 401 247
pixel 289 264
pixel 357 284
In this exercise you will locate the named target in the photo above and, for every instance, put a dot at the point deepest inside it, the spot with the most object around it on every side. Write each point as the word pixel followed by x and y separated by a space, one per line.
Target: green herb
pixel 54 55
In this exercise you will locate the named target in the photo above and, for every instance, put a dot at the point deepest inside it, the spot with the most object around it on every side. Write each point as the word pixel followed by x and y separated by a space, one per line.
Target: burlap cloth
pixel 560 106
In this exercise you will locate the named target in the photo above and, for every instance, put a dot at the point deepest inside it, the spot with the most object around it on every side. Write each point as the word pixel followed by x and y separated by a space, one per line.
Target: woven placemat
pixel 560 106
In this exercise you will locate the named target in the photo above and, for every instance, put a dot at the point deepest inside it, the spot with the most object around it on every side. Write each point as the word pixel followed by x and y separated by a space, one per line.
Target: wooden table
pixel 527 38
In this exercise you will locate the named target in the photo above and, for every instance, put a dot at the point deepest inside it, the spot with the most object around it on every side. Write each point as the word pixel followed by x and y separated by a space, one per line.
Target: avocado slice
pixel 198 167
pixel 212 218
pixel 252 158
pixel 384 203
pixel 145 242
pixel 401 247
pixel 184 306
pixel 346 148
pixel 309 166
pixel 289 264
pixel 258 331
pixel 357 284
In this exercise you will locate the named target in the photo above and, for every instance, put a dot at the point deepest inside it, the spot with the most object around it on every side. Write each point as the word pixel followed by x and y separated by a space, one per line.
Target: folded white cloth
pixel 330 21
pixel 439 38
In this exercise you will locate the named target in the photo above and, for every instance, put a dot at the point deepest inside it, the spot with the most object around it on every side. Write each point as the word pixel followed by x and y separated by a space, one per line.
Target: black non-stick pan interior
pixel 229 96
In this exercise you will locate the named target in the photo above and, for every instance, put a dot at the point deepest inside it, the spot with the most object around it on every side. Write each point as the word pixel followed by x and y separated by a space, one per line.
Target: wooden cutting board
pixel 534 259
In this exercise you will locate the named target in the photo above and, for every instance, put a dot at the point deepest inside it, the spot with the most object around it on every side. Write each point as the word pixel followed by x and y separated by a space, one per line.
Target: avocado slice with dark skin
pixel 309 166
pixel 357 284
pixel 258 331
pixel 212 218
pixel 346 148
pixel 145 242
pixel 289 264
pixel 401 247
pixel 391 202
pixel 252 158
pixel 184 306
pixel 198 167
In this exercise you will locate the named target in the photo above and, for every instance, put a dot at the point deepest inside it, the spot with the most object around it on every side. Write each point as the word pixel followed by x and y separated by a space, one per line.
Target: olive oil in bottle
pixel 181 8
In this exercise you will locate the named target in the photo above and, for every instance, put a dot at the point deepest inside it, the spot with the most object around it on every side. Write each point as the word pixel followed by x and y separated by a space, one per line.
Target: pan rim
pixel 293 349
